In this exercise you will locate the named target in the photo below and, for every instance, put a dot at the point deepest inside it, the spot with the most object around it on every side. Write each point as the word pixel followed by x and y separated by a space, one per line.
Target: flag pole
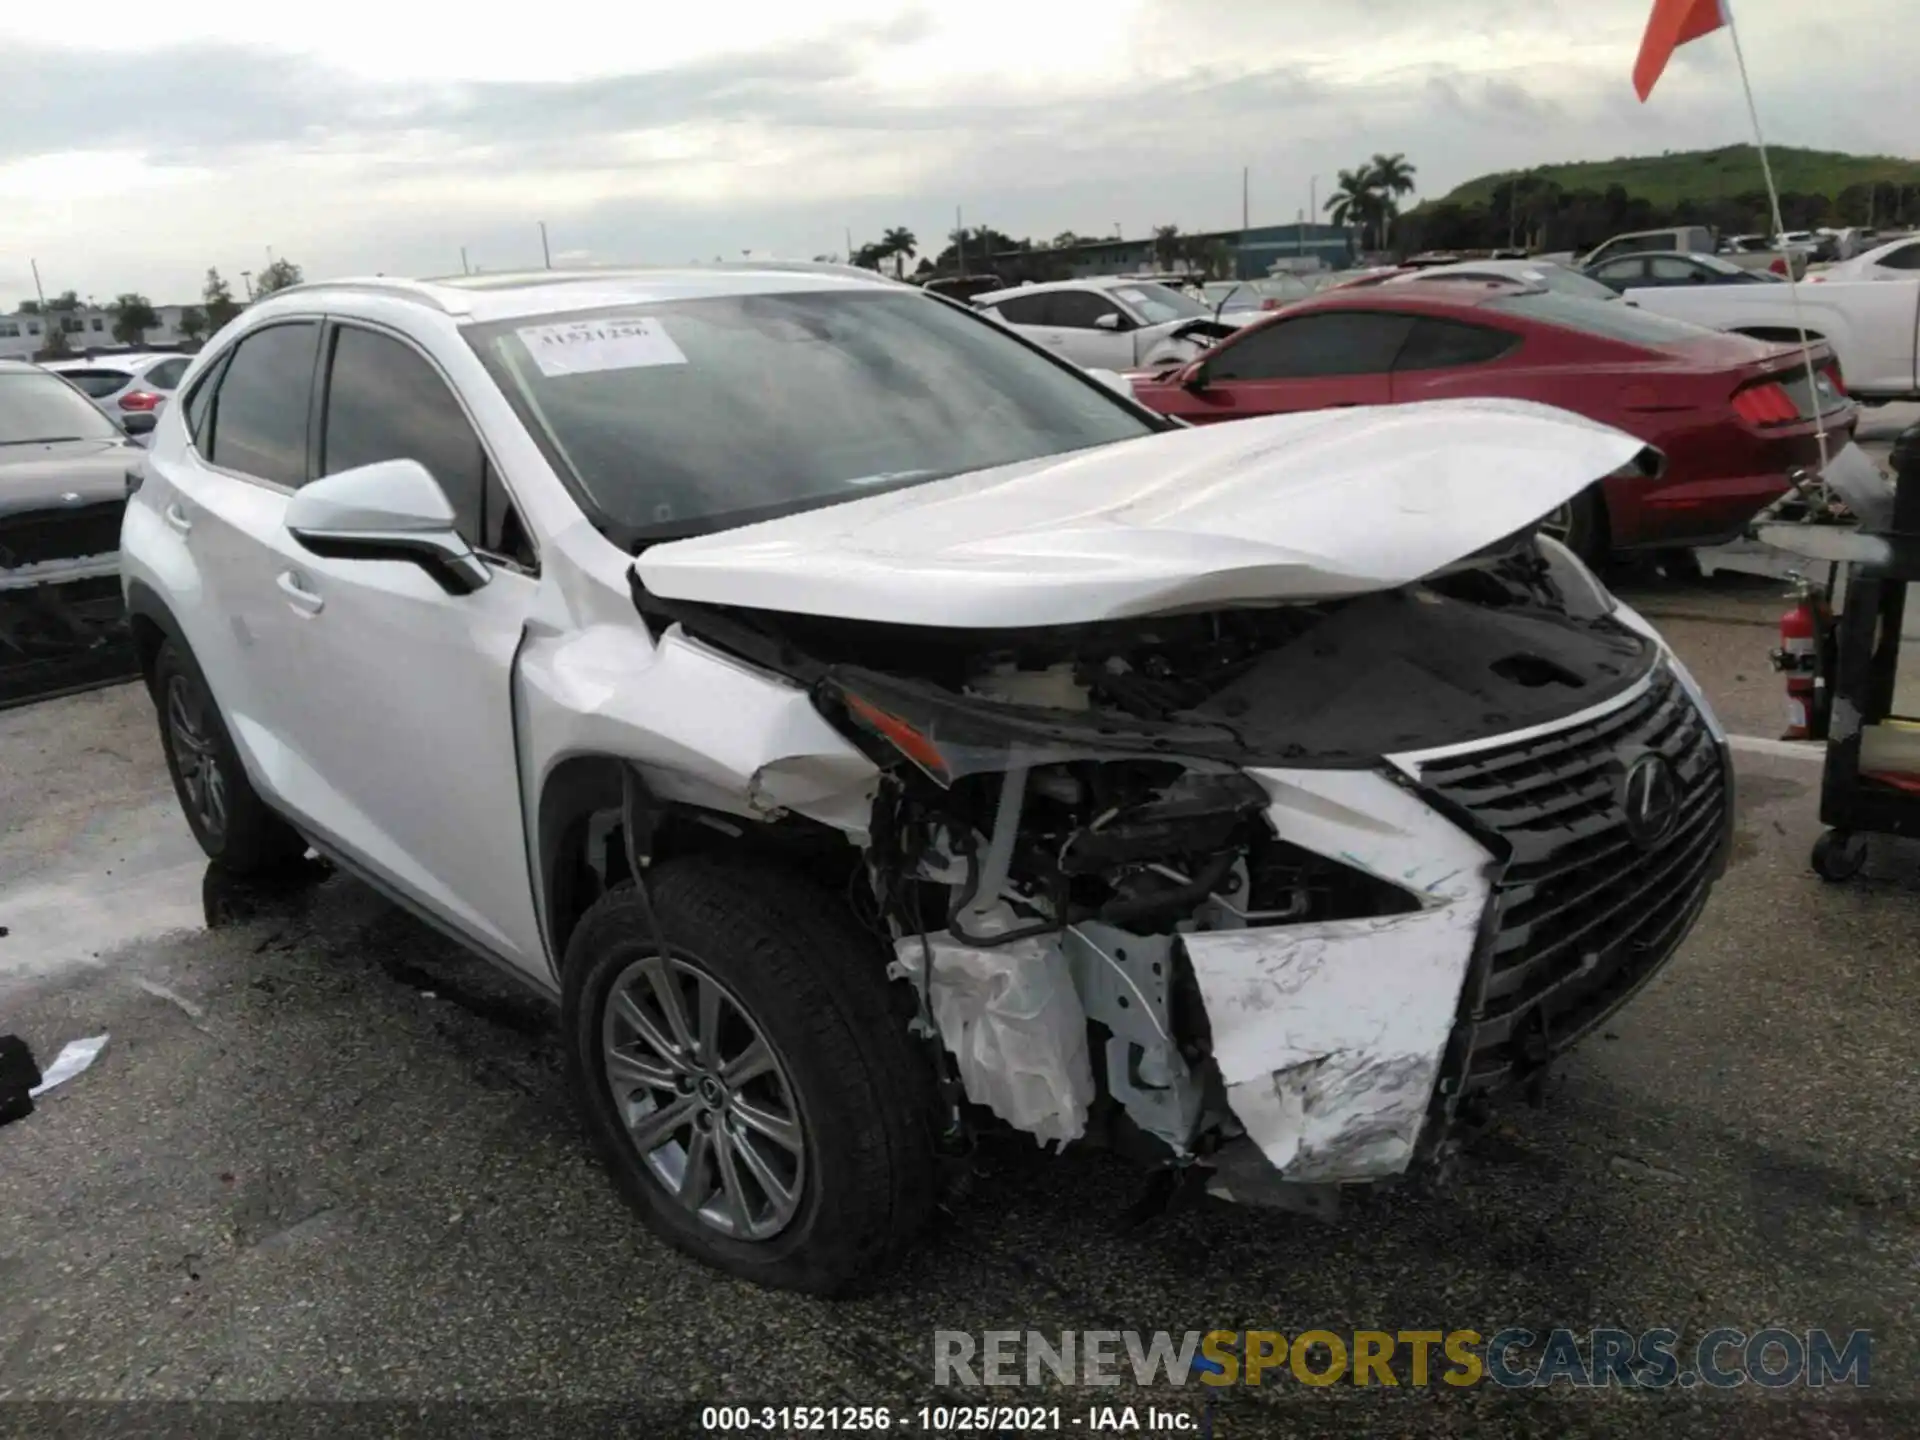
pixel 1779 235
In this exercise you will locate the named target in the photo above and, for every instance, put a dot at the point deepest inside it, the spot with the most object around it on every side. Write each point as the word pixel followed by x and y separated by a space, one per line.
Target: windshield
pixel 36 406
pixel 1252 294
pixel 1606 319
pixel 689 416
pixel 1157 304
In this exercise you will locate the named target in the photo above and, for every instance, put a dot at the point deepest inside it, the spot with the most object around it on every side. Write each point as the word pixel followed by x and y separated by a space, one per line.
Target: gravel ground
pixel 325 1158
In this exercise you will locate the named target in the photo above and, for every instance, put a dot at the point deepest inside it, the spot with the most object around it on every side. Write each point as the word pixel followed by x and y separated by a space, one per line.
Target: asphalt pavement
pixel 326 1158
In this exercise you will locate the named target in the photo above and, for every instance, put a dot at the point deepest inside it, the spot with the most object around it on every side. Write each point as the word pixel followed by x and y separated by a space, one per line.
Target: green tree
pixel 869 256
pixel 1066 240
pixel 29 307
pixel 1355 203
pixel 277 276
pixel 57 345
pixel 1166 245
pixel 193 324
pixel 1390 177
pixel 133 316
pixel 221 306
pixel 900 243
pixel 66 300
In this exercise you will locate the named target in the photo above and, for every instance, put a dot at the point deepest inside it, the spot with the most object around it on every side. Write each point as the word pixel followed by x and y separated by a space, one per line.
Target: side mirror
pixel 390 510
pixel 138 422
pixel 1108 321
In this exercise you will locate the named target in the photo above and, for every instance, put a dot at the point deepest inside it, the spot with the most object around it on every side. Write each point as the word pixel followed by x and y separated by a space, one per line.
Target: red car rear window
pixel 1608 319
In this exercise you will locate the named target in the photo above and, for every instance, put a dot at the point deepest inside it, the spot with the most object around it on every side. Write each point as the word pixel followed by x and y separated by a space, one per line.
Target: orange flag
pixel 1672 24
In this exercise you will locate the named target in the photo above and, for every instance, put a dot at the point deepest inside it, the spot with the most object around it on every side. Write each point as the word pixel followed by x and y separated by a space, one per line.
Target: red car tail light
pixel 1270 303
pixel 140 400
pixel 1832 372
pixel 1765 402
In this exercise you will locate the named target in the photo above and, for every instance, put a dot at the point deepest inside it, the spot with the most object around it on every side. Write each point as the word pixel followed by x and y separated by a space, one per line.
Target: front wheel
pixel 754 1090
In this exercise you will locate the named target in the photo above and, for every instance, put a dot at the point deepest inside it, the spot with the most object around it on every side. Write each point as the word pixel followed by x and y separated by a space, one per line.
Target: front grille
pixel 1584 913
pixel 63 534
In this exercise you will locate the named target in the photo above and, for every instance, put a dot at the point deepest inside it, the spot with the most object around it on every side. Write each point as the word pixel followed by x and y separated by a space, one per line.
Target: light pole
pixel 545 254
pixel 247 277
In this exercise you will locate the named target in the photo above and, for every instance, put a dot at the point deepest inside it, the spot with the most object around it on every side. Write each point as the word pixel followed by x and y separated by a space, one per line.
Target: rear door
pixel 1325 360
pixel 404 706
pixel 249 421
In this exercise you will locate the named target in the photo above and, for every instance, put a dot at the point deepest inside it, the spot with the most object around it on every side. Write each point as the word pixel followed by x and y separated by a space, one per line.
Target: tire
pixel 233 824
pixel 1581 525
pixel 796 967
pixel 1839 855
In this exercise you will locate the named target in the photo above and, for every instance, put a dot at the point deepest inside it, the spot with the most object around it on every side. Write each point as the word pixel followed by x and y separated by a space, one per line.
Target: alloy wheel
pixel 704 1097
pixel 190 737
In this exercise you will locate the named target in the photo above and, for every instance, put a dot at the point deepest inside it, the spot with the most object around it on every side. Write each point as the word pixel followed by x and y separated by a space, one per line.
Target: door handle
pixel 177 517
pixel 295 589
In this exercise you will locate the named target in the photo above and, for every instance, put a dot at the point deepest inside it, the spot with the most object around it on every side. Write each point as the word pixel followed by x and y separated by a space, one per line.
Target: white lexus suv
pixel 870 728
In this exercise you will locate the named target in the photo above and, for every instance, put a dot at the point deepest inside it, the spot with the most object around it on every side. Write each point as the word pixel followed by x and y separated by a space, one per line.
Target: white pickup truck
pixel 1873 325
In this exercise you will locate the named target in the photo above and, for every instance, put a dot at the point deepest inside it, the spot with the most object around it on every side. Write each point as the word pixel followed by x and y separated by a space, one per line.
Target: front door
pixel 1090 330
pixel 1326 360
pixel 409 704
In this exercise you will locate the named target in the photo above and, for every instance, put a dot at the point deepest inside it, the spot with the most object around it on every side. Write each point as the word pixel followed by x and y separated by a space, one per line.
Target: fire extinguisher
pixel 1804 632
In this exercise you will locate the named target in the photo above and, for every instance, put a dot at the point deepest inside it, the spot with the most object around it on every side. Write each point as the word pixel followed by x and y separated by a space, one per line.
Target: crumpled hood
pixel 1284 508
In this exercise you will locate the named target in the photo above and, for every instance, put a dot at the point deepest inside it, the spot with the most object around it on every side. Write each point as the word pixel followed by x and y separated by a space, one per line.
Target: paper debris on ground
pixel 74 1057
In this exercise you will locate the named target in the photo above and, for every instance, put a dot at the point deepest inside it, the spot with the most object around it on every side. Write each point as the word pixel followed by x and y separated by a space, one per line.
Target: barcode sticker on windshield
pixel 583 347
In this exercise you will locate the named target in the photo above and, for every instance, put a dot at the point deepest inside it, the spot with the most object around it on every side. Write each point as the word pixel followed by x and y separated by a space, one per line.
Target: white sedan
pixel 1896 260
pixel 1111 322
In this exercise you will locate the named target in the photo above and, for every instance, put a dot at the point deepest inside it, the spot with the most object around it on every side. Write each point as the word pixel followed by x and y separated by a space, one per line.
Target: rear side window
pixel 1333 342
pixel 1607 319
pixel 1024 309
pixel 257 421
pixel 166 375
pixel 1444 344
pixel 385 402
pixel 97 383
pixel 1906 258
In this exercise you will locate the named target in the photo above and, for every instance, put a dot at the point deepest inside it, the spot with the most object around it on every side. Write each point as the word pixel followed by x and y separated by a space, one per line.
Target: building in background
pixel 23 335
pixel 1224 254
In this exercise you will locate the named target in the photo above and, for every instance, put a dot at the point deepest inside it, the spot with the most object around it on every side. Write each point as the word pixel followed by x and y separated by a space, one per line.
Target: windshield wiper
pixel 44 440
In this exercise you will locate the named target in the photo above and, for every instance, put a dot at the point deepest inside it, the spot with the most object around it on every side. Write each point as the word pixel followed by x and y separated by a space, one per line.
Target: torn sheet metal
pixel 74 1059
pixel 1329 1036
pixel 1014 1024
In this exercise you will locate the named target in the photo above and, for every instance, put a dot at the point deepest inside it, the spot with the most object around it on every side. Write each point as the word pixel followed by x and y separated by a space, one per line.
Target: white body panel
pixel 1874 327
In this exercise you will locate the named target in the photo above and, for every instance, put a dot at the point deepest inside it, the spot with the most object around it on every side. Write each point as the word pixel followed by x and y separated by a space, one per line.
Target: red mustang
pixel 1732 414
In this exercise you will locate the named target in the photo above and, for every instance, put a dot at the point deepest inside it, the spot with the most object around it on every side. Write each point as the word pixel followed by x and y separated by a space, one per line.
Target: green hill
pixel 1703 176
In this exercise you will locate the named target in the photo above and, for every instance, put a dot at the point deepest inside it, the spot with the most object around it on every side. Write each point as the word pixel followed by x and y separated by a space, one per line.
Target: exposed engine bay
pixel 1115 858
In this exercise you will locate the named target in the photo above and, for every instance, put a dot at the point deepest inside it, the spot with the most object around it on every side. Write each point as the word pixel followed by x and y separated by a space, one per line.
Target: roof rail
pixel 380 285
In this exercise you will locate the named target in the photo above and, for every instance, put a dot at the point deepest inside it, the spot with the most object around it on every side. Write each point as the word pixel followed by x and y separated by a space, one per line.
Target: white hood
pixel 1286 508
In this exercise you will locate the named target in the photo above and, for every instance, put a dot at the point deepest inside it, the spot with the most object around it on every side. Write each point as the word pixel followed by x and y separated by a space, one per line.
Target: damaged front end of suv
pixel 1276 887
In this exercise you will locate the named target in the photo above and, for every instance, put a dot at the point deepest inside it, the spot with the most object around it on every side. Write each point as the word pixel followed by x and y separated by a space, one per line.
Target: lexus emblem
pixel 1650 799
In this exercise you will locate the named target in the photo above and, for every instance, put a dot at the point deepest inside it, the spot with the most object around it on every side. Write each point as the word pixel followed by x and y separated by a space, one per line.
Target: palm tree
pixel 1355 202
pixel 1390 177
pixel 1166 245
pixel 899 242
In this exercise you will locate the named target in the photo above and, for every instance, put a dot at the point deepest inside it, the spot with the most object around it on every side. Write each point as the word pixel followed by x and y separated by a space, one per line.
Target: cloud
pixel 1075 115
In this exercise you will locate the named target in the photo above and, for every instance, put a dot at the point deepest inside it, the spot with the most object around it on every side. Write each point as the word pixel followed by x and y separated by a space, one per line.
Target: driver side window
pixel 1082 310
pixel 385 401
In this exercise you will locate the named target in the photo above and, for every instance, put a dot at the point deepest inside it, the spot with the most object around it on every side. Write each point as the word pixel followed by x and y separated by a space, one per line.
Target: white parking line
pixel 1787 749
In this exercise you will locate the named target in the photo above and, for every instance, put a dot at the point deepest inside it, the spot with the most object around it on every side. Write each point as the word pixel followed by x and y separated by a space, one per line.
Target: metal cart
pixel 1870 784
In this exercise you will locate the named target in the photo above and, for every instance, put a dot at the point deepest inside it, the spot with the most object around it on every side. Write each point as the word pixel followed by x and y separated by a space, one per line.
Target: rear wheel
pixel 753 1091
pixel 1581 525
pixel 227 816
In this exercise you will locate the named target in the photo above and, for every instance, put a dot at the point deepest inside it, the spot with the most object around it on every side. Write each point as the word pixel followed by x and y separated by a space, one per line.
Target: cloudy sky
pixel 356 137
